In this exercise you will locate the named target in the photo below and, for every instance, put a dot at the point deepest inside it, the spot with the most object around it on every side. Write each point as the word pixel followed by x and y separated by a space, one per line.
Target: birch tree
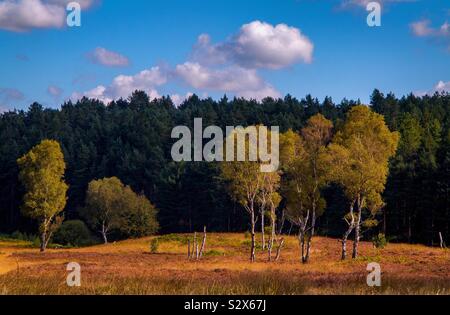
pixel 359 158
pixel 305 174
pixel 42 174
pixel 103 205
pixel 244 179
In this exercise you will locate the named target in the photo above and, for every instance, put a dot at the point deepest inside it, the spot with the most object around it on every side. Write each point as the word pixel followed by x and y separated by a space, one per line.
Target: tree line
pixel 130 140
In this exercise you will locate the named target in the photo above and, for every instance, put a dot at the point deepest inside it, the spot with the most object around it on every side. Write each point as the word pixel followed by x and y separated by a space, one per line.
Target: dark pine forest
pixel 131 139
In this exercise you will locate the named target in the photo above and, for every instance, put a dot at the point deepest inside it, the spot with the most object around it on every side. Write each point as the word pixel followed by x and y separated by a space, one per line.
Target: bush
pixel 154 246
pixel 73 233
pixel 214 252
pixel 379 241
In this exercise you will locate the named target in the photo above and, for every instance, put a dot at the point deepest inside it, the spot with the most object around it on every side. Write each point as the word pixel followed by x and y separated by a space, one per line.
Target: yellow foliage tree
pixel 305 173
pixel 41 173
pixel 359 158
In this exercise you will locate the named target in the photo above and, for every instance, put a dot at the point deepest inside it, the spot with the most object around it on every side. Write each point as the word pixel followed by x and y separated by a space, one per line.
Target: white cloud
pixel 227 67
pixel 178 99
pixel 423 29
pixel 3 109
pixel 54 91
pixel 108 58
pixel 24 15
pixel 8 96
pixel 124 85
pixel 441 34
pixel 363 3
pixel 84 4
pixel 440 87
pixel 257 45
pixel 240 81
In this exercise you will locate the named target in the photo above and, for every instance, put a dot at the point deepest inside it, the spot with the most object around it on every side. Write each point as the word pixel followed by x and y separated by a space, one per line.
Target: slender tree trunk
pixel 301 239
pixel 441 240
pixel 263 239
pixel 344 242
pixel 43 236
pixel 350 228
pixel 272 234
pixel 105 237
pixel 356 242
pixel 252 250
pixel 311 235
pixel 203 242
pixel 357 229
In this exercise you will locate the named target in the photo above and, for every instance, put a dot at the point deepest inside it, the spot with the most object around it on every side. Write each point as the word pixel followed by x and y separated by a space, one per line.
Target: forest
pixel 131 140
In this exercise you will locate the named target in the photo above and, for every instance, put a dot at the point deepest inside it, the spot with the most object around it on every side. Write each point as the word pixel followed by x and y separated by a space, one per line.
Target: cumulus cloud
pixel 108 58
pixel 439 34
pixel 227 67
pixel 24 15
pixel 257 45
pixel 124 85
pixel 240 81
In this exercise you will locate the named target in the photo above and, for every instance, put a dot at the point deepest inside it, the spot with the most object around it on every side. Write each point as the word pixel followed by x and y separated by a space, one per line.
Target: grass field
pixel 129 267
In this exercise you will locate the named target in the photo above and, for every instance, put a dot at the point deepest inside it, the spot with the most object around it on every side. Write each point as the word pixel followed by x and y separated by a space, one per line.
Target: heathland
pixel 136 267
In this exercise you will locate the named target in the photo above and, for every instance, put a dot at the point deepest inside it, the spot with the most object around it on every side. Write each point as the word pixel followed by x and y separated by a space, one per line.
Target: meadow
pixel 131 267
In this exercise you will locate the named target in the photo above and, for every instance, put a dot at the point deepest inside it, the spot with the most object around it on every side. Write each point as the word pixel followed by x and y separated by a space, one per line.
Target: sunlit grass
pixel 130 267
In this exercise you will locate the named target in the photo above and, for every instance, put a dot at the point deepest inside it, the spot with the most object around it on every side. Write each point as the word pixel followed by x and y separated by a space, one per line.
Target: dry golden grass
pixel 129 268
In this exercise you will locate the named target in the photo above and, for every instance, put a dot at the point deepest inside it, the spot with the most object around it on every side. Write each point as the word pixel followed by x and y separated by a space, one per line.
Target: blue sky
pixel 307 46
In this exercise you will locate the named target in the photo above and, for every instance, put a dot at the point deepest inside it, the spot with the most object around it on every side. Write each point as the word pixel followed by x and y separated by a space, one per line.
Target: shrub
pixel 214 252
pixel 154 246
pixel 73 233
pixel 379 241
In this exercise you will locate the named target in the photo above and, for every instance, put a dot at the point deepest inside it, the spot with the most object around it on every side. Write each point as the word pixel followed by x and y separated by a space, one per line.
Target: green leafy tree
pixel 42 175
pixel 245 180
pixel 138 216
pixel 103 205
pixel 306 174
pixel 110 205
pixel 359 159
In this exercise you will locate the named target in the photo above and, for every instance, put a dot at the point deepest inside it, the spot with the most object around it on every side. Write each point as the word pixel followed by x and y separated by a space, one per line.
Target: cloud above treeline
pixel 25 15
pixel 8 96
pixel 231 66
pixel 440 87
pixel 108 58
pixel 439 34
pixel 257 45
